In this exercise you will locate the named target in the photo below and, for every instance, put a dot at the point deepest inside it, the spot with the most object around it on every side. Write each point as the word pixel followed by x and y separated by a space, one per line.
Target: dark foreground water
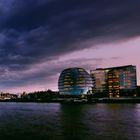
pixel 54 121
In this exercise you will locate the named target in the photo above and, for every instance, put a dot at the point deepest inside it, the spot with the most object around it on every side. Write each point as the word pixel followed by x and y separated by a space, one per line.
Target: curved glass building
pixel 74 81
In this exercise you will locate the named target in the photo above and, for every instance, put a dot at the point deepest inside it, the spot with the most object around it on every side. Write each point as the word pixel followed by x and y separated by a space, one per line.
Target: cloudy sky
pixel 39 38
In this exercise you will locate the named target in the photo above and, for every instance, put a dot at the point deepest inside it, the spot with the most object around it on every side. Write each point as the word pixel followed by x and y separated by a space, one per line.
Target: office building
pixel 99 81
pixel 115 81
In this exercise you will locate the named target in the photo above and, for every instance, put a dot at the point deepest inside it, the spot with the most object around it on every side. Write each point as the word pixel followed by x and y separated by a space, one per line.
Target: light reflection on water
pixel 69 121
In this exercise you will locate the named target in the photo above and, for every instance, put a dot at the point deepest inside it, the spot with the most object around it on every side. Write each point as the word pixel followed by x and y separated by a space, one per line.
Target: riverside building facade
pixel 114 81
pixel 75 81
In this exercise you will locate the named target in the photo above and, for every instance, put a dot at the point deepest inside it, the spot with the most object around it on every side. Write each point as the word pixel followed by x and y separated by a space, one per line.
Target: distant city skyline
pixel 38 39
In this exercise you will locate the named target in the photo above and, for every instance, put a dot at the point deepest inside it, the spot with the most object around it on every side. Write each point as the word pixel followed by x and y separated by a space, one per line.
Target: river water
pixel 54 121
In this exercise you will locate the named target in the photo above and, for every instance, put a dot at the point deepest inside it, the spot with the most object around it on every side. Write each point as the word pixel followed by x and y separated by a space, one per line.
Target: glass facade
pixel 115 81
pixel 75 81
pixel 99 80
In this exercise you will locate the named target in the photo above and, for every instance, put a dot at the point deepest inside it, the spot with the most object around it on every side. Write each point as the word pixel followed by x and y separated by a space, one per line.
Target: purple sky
pixel 39 38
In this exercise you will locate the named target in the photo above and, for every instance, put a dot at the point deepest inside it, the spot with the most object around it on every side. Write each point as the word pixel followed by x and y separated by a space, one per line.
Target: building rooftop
pixel 118 67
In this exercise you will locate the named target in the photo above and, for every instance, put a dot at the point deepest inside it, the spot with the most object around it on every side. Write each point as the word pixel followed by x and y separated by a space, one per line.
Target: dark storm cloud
pixel 33 32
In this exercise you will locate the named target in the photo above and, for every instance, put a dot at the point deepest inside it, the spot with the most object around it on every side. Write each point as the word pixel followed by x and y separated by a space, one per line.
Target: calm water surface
pixel 54 121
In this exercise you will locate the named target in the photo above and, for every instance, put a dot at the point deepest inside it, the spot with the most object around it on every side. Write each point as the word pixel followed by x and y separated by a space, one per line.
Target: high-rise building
pixel 115 81
pixel 75 81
